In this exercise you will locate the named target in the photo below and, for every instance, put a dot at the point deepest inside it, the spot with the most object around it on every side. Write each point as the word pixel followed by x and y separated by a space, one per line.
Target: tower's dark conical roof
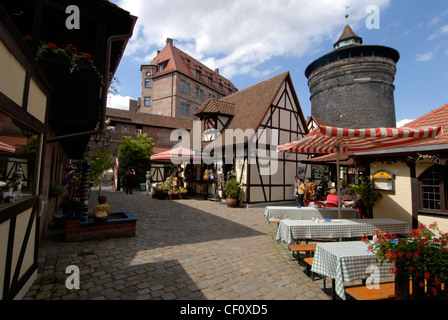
pixel 347 34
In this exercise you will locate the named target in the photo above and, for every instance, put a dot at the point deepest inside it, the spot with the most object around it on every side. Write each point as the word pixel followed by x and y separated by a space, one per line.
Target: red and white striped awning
pixel 6 147
pixel 177 155
pixel 327 139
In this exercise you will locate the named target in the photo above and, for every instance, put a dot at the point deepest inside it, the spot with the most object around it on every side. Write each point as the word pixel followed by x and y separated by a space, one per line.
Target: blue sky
pixel 251 41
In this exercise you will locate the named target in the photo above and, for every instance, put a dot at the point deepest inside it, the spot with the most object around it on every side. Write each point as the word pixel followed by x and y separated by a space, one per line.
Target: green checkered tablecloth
pixel 307 213
pixel 292 230
pixel 347 262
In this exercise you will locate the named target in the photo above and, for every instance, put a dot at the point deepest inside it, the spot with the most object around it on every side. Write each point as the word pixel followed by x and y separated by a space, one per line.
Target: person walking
pixel 148 182
pixel 129 180
pixel 300 192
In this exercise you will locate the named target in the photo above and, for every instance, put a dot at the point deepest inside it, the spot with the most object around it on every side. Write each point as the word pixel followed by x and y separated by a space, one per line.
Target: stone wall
pixel 356 92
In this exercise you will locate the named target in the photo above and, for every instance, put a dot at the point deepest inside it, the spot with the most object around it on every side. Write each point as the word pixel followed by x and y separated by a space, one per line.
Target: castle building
pixel 175 85
pixel 353 85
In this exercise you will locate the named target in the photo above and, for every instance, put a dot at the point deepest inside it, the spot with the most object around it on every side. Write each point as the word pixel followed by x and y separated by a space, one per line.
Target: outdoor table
pixel 292 230
pixel 347 262
pixel 307 213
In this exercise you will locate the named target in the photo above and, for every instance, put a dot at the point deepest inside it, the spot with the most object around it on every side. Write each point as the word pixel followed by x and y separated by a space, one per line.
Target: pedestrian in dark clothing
pixel 129 179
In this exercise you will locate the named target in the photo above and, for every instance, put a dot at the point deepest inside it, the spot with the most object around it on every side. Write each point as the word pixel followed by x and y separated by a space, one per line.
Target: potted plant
pixel 368 196
pixel 182 193
pixel 232 191
pixel 172 193
pixel 421 257
pixel 55 190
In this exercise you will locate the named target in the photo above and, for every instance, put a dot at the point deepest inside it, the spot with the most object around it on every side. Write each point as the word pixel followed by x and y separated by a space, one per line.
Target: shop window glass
pixel 19 149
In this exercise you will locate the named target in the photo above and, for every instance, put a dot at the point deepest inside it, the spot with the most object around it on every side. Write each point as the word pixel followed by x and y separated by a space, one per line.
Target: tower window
pixel 148 83
pixel 147 101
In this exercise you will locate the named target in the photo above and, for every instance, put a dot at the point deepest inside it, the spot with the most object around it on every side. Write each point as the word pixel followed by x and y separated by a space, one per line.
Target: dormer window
pixel 162 66
pixel 198 74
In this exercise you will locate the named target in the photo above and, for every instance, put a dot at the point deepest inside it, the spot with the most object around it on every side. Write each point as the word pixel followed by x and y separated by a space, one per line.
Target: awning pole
pixel 337 183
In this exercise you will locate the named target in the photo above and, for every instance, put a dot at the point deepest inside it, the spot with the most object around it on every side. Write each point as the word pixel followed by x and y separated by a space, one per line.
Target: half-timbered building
pixel 242 131
pixel 48 112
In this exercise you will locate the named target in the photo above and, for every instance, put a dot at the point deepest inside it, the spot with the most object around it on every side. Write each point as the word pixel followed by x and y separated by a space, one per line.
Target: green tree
pixel 136 154
pixel 99 163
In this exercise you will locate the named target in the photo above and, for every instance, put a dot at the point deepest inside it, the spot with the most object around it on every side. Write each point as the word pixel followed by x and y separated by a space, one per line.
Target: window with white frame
pixel 433 190
pixel 147 101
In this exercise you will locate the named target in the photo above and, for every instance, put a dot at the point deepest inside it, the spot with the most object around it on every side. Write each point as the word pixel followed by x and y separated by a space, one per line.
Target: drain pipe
pixel 102 120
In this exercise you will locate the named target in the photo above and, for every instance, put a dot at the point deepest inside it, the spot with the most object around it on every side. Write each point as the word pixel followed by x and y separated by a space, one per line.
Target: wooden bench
pixel 386 291
pixel 297 248
pixel 309 273
pixel 309 264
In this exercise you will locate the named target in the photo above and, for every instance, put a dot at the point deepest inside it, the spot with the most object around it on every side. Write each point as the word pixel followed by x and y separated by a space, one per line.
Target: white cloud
pixel 437 19
pixel 442 31
pixel 237 36
pixel 403 122
pixel 118 102
pixel 423 57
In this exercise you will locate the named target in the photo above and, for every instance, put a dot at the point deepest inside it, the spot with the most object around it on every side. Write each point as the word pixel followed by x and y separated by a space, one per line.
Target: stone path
pixel 190 249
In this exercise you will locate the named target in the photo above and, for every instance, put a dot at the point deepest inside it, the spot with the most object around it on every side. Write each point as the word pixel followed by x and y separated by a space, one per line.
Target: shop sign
pixel 433 159
pixel 383 180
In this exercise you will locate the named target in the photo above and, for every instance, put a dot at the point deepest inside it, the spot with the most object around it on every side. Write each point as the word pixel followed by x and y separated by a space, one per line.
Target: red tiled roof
pixel 438 117
pixel 176 61
pixel 320 121
pixel 148 119
pixel 216 107
pixel 252 104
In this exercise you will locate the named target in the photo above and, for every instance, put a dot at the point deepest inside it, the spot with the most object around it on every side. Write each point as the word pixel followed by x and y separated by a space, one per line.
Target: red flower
pixel 27 38
pixel 52 45
pixel 434 291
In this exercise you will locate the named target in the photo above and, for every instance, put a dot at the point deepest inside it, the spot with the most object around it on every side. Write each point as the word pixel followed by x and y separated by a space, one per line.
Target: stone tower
pixel 353 85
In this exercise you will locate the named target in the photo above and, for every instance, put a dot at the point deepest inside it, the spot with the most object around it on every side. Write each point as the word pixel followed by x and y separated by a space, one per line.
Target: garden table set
pixel 347 262
pixel 306 213
pixel 291 231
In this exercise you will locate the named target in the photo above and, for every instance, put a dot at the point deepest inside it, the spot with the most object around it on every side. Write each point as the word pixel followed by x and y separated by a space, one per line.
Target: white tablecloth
pixel 291 230
pixel 347 262
pixel 307 213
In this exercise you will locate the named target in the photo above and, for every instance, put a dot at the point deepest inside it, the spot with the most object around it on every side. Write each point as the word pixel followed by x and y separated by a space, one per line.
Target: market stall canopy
pixel 6 147
pixel 178 155
pixel 327 139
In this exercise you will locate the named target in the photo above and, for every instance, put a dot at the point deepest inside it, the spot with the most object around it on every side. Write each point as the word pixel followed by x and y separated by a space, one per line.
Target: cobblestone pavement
pixel 190 249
